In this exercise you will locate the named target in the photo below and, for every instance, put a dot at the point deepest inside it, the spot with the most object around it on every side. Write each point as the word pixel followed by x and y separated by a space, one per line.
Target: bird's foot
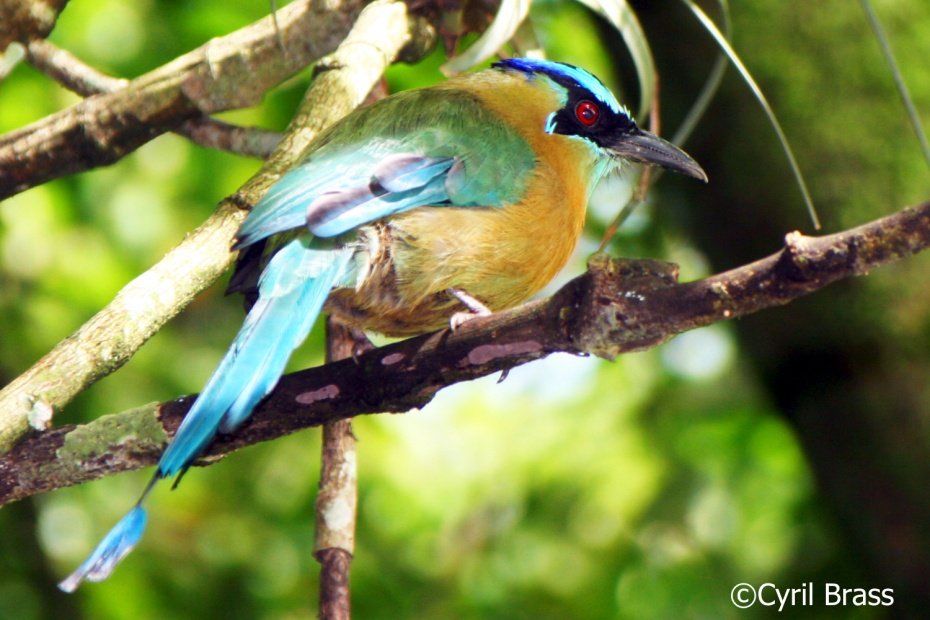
pixel 475 308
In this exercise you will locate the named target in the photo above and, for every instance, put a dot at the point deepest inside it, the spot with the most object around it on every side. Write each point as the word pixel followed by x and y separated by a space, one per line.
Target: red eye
pixel 587 113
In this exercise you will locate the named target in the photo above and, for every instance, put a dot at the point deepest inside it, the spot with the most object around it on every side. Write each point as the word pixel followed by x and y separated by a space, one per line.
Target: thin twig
pixel 69 71
pixel 246 141
pixel 337 499
pixel 647 176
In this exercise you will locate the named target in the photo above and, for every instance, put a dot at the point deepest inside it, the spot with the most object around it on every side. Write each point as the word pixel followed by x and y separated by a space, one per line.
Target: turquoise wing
pixel 416 149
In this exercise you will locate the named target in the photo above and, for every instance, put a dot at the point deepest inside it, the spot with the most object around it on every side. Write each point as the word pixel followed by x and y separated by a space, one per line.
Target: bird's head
pixel 591 112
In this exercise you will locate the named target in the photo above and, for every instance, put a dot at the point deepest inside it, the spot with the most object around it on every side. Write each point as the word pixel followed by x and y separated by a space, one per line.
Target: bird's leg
pixel 475 308
pixel 360 343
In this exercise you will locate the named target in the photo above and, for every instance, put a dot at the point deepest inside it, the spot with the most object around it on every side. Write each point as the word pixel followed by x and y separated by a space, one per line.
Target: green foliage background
pixel 577 488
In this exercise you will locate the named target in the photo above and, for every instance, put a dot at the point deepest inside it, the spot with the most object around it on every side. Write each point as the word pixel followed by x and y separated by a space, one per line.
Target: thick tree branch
pixel 70 72
pixel 226 73
pixel 617 307
pixel 111 337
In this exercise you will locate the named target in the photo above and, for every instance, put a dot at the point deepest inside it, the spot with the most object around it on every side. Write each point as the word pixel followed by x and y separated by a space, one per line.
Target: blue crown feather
pixel 566 75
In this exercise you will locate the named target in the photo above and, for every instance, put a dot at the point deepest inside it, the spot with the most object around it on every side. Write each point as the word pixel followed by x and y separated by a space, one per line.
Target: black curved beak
pixel 643 147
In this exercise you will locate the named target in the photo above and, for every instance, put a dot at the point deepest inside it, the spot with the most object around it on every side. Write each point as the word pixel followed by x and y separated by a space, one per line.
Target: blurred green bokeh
pixel 645 488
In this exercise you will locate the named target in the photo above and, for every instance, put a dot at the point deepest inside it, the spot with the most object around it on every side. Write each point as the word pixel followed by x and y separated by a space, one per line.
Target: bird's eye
pixel 587 113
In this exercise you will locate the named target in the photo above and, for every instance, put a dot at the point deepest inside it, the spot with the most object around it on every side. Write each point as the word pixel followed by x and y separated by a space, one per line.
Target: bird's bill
pixel 643 147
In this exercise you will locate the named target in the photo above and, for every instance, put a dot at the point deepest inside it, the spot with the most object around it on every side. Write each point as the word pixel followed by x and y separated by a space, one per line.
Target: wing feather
pixel 419 148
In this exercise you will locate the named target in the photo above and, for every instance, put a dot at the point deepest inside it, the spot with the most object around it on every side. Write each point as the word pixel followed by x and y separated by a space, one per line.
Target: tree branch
pixel 226 73
pixel 336 506
pixel 66 69
pixel 23 21
pixel 617 307
pixel 113 335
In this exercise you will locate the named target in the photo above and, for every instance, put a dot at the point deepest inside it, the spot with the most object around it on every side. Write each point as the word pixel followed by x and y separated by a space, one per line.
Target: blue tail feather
pixel 292 290
pixel 120 541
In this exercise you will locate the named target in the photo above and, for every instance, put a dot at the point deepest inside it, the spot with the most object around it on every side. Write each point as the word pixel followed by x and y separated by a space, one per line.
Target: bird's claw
pixel 475 309
pixel 460 318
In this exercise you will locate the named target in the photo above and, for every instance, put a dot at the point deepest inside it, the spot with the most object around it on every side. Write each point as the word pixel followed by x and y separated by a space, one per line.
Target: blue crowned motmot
pixel 465 196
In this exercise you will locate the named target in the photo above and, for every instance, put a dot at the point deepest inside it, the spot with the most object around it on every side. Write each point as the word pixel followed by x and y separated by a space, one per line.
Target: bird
pixel 418 211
